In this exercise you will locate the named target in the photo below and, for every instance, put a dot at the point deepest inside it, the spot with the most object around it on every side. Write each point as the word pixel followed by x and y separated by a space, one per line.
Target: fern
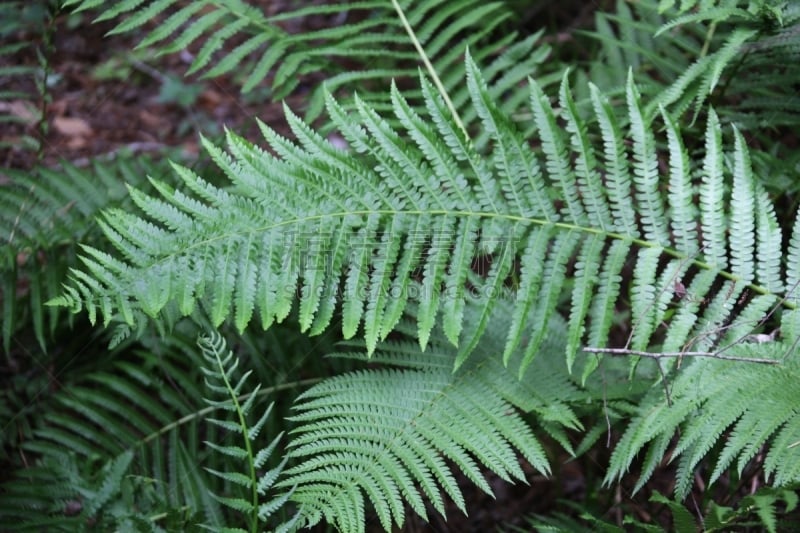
pixel 43 213
pixel 365 43
pixel 709 399
pixel 390 435
pixel 465 225
pixel 219 375
pixel 683 60
pixel 228 251
pixel 82 495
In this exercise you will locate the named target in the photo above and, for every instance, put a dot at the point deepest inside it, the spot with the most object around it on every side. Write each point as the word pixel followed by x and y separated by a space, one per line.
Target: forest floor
pixel 107 98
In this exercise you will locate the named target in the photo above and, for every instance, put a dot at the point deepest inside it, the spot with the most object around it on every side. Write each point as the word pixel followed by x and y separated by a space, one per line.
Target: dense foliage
pixel 520 248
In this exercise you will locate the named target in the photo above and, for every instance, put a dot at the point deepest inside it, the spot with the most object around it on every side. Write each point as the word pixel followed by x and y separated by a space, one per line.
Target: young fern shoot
pixel 219 378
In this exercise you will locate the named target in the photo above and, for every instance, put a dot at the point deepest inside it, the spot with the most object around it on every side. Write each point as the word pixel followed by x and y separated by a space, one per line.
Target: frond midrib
pixel 511 218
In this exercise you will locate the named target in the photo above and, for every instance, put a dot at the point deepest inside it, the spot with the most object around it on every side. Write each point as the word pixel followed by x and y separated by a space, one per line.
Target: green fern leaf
pixel 586 276
pixel 588 178
pixel 219 375
pixel 367 33
pixel 374 202
pixel 381 434
pixel 682 214
pixel 555 148
pixel 742 215
pixel 645 170
pixel 708 398
pixel 615 163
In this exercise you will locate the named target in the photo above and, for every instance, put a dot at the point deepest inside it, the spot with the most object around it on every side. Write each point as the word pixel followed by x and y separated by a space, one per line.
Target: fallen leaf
pixel 151 120
pixel 210 99
pixel 72 127
pixel 76 143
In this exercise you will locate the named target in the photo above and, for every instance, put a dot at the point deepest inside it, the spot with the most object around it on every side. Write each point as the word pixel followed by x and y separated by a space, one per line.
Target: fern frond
pixel 43 214
pixel 99 493
pixel 364 43
pixel 708 398
pixel 219 374
pixel 382 435
pixel 273 233
pixel 738 55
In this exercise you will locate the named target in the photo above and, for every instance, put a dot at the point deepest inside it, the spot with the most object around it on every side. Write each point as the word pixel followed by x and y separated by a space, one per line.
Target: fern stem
pixel 707 43
pixel 429 67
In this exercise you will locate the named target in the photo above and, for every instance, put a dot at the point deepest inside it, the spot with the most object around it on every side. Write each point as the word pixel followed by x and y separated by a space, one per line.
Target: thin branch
pixel 668 355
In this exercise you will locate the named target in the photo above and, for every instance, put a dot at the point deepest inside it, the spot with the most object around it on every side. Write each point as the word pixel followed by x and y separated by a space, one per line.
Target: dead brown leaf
pixel 72 126
pixel 151 120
